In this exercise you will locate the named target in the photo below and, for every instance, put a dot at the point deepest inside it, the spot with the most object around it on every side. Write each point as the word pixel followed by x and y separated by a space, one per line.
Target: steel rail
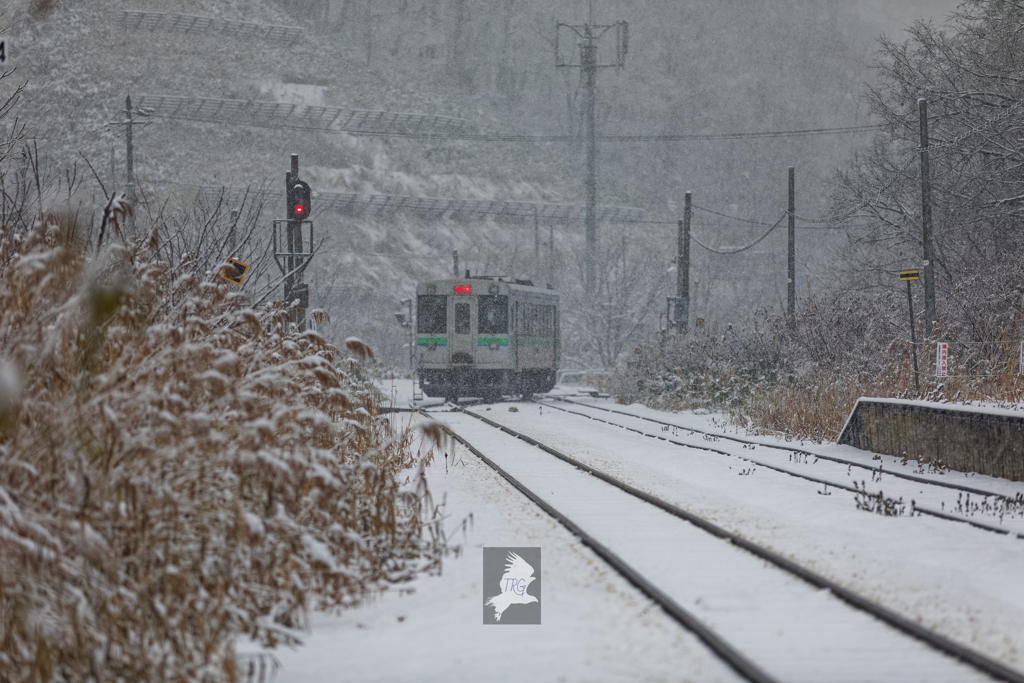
pixel 760 463
pixel 832 458
pixel 941 643
pixel 730 655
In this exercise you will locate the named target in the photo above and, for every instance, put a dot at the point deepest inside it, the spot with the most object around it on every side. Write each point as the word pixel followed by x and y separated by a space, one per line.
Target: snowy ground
pixel 595 626
pixel 960 581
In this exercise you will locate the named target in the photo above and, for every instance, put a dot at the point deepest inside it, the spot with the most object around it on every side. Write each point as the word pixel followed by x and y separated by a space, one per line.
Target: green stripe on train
pixel 423 341
pixel 487 341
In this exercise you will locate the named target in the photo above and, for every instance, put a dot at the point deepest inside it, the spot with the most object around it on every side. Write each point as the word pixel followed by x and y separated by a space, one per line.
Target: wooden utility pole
pixel 791 252
pixel 926 224
pixel 682 313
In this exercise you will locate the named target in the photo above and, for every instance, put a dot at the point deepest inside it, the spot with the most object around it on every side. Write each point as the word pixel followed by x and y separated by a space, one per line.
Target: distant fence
pixel 432 208
pixel 193 23
pixel 296 116
pixel 964 438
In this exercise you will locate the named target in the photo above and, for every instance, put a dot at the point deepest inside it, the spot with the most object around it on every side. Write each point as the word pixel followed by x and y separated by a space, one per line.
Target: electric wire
pixel 739 249
pixel 725 215
pixel 938 148
pixel 484 137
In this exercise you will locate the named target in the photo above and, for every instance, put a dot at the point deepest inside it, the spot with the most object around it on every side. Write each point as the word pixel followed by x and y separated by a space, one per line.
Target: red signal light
pixel 298 209
pixel 462 289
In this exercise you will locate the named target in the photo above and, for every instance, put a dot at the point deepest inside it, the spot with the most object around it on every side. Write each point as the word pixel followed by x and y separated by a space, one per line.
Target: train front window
pixel 493 315
pixel 461 318
pixel 432 314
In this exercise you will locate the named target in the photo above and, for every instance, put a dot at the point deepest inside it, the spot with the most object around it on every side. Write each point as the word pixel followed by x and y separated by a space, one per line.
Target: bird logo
pixel 517 578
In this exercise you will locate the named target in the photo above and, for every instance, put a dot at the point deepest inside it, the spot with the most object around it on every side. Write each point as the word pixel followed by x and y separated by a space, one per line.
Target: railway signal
pixel 298 201
pixel 294 251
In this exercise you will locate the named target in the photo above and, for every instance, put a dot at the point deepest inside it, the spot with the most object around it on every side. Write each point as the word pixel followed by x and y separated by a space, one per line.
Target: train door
pixel 463 327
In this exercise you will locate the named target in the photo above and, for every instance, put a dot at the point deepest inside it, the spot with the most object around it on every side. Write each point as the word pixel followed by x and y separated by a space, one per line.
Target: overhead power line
pixel 667 137
pixel 725 215
pixel 280 115
pixel 743 248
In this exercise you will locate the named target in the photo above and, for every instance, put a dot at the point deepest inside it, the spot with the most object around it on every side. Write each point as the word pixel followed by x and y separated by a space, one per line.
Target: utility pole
pixel 588 62
pixel 926 224
pixel 589 35
pixel 368 32
pixel 129 122
pixel 231 242
pixel 130 174
pixel 455 258
pixel 536 236
pixel 791 251
pixel 551 253
pixel 682 313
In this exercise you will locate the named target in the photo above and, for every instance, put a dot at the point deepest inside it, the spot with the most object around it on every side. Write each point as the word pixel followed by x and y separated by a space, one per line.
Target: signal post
pixel 291 256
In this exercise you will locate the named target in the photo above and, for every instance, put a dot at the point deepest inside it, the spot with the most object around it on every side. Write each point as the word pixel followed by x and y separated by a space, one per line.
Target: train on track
pixel 486 336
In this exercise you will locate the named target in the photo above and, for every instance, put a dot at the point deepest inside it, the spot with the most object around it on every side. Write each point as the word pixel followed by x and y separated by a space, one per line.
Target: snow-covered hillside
pixel 801 63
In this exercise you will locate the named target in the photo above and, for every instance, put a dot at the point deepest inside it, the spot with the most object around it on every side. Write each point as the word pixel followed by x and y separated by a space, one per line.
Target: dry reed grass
pixel 817 409
pixel 175 470
pixel 754 378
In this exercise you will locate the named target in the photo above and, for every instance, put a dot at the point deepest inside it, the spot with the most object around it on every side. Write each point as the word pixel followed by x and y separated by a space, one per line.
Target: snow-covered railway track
pixel 634 423
pixel 766 616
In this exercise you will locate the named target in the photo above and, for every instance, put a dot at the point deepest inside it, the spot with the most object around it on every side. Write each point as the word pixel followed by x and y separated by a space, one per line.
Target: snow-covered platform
pixel 981 439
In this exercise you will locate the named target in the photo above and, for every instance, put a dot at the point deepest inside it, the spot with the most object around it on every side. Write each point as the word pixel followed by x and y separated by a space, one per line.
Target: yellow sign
pixel 910 275
pixel 235 271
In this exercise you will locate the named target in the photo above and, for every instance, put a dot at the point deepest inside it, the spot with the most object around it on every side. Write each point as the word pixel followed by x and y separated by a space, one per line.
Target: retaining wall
pixel 965 438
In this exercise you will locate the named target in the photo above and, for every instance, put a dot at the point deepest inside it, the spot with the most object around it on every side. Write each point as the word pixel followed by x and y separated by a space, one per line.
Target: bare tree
pixel 969 71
